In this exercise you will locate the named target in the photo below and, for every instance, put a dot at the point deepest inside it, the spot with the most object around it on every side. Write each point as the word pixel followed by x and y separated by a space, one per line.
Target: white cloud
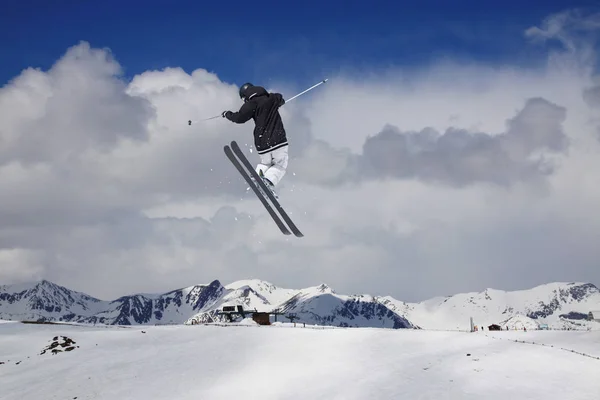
pixel 20 265
pixel 105 188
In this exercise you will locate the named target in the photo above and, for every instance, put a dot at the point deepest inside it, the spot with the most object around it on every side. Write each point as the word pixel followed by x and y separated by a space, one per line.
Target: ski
pixel 249 181
pixel 238 152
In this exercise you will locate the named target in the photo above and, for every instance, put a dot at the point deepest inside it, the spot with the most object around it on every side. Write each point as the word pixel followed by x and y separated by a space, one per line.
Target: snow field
pixel 255 362
pixel 586 342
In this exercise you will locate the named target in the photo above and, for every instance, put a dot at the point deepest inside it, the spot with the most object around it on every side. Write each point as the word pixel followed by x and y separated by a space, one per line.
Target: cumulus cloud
pixel 79 104
pixel 461 157
pixel 419 183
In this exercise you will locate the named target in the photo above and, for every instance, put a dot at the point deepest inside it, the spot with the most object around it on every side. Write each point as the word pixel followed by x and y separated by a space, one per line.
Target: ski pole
pixel 287 101
pixel 310 88
pixel 205 119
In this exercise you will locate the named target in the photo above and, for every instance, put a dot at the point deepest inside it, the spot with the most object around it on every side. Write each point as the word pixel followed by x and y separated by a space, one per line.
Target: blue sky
pixel 268 40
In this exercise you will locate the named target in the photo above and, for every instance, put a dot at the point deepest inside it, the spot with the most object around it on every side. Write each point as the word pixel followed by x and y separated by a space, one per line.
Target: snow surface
pixel 586 342
pixel 248 321
pixel 283 362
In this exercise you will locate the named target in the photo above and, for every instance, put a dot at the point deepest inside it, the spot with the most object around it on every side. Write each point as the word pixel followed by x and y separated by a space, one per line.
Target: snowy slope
pixel 583 342
pixel 173 307
pixel 46 301
pixel 520 322
pixel 255 362
pixel 560 305
pixel 266 292
pixel 321 305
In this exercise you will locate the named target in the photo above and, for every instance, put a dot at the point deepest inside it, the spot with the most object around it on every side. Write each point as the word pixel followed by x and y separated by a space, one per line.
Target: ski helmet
pixel 244 88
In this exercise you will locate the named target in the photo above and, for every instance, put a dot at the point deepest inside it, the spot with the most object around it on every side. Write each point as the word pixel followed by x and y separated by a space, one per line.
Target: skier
pixel 270 139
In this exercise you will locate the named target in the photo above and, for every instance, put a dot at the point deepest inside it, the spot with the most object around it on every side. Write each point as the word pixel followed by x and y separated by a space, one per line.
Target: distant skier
pixel 270 139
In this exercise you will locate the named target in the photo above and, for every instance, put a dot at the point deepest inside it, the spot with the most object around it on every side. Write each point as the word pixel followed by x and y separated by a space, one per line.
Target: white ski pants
pixel 273 164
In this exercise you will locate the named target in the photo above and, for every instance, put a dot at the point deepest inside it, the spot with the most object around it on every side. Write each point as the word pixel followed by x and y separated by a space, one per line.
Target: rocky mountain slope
pixel 46 301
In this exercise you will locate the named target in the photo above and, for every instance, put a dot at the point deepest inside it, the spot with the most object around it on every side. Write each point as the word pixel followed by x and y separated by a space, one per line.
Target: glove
pixel 226 114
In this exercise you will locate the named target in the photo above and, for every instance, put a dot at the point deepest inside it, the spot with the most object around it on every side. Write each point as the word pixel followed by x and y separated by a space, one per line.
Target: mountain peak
pixel 324 288
pixel 255 284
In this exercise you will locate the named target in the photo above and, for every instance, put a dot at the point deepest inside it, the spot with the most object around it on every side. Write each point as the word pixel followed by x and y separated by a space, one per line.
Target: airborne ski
pixel 249 181
pixel 253 184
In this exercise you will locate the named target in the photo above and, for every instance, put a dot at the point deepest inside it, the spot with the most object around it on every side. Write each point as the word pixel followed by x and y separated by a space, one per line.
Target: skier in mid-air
pixel 270 139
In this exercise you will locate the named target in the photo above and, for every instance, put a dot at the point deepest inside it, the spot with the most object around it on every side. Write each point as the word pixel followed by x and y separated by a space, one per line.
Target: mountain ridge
pixel 558 304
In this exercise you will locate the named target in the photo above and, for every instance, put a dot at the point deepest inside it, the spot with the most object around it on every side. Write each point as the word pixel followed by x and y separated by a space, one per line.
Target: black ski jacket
pixel 263 108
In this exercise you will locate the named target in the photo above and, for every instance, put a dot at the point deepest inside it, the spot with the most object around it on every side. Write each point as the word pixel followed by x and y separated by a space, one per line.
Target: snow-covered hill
pixel 321 305
pixel 283 362
pixel 560 305
pixel 520 322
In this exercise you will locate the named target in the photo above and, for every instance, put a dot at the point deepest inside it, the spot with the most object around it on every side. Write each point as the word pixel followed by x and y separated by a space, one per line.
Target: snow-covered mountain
pixel 318 305
pixel 322 306
pixel 46 301
pixel 560 305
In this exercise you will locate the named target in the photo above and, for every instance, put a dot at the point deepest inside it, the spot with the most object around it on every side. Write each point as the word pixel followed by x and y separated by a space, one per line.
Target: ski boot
pixel 262 192
pixel 268 184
